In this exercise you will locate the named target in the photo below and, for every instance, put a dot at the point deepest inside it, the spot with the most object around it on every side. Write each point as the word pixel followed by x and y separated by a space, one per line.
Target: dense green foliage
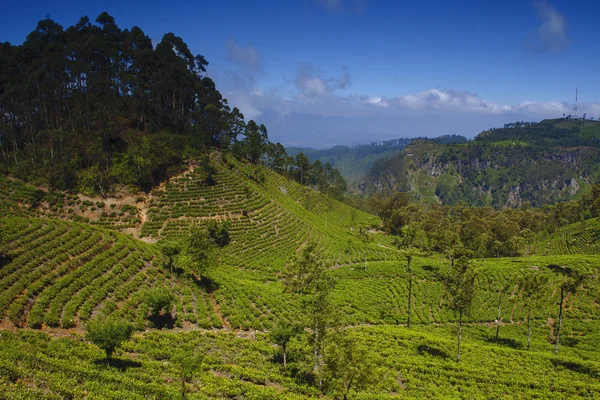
pixel 492 233
pixel 93 105
pixel 108 334
pixel 554 160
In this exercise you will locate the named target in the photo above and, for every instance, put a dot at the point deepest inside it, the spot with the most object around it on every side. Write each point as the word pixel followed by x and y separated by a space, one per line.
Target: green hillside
pixel 536 163
pixel 354 162
pixel 56 274
pixel 578 238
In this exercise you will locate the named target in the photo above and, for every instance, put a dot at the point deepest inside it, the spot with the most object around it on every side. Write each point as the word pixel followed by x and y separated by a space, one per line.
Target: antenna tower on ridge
pixel 575 108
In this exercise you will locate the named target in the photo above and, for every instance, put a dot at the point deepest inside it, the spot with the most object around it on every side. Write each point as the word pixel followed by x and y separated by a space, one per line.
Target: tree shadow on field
pixel 576 367
pixel 432 351
pixel 122 364
pixel 512 343
pixel 178 270
pixel 5 259
pixel 569 341
pixel 561 269
pixel 207 283
pixel 161 321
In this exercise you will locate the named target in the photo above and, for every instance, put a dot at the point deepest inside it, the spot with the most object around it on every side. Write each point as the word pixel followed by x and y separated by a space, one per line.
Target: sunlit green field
pixel 57 274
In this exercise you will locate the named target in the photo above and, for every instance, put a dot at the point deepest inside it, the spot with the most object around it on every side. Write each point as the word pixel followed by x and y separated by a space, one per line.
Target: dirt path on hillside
pixel 217 310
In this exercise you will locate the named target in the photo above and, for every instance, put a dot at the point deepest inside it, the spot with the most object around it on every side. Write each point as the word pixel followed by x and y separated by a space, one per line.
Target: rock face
pixel 485 174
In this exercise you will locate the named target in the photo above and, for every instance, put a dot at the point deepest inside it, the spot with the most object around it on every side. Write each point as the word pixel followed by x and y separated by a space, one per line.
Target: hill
pixel 354 162
pixel 57 273
pixel 538 163
pixel 578 238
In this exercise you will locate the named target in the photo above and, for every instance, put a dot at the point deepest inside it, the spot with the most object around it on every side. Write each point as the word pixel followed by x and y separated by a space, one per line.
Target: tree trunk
pixel 528 329
pixel 460 314
pixel 182 383
pixel 499 316
pixel 409 293
pixel 109 352
pixel 560 318
pixel 284 357
pixel 316 349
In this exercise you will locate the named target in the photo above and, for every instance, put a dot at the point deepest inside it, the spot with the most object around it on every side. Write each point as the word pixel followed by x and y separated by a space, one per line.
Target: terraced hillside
pixel 270 216
pixel 60 273
pixel 57 271
pixel 578 238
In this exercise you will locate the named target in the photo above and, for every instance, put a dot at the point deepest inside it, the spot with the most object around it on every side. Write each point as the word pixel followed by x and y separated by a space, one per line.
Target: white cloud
pixel 375 101
pixel 245 103
pixel 544 108
pixel 457 101
pixel 551 35
pixel 454 100
pixel 312 85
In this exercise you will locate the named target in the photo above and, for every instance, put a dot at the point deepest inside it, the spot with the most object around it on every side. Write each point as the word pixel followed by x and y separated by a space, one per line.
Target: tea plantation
pixel 66 258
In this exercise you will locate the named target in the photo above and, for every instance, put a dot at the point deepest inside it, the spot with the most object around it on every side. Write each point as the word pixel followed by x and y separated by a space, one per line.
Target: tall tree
pixel 406 243
pixel 568 284
pixel 460 292
pixel 307 274
pixel 533 285
pixel 348 365
pixel 502 288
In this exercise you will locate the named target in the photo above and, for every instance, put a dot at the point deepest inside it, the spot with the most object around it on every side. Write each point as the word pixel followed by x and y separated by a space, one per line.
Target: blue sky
pixel 357 58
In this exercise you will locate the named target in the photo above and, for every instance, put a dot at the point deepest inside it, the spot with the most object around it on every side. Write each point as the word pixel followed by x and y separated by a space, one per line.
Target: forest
pixel 91 106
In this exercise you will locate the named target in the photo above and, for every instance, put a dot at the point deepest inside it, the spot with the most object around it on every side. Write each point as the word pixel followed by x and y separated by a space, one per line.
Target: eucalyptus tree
pixel 501 288
pixel 308 275
pixel 460 292
pixel 406 243
pixel 568 283
pixel 532 285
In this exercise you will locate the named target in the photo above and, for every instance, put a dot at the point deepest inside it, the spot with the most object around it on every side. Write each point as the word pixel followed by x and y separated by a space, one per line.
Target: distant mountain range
pixel 354 162
pixel 320 132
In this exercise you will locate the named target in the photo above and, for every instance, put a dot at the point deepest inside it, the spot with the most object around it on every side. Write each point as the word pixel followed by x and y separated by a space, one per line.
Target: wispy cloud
pixel 342 5
pixel 240 83
pixel 245 56
pixel 459 101
pixel 311 84
pixel 374 101
pixel 456 100
pixel 552 34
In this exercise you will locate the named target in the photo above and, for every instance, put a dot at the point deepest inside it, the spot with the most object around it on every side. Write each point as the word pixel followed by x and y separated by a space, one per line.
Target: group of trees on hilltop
pixel 93 105
pixel 323 177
